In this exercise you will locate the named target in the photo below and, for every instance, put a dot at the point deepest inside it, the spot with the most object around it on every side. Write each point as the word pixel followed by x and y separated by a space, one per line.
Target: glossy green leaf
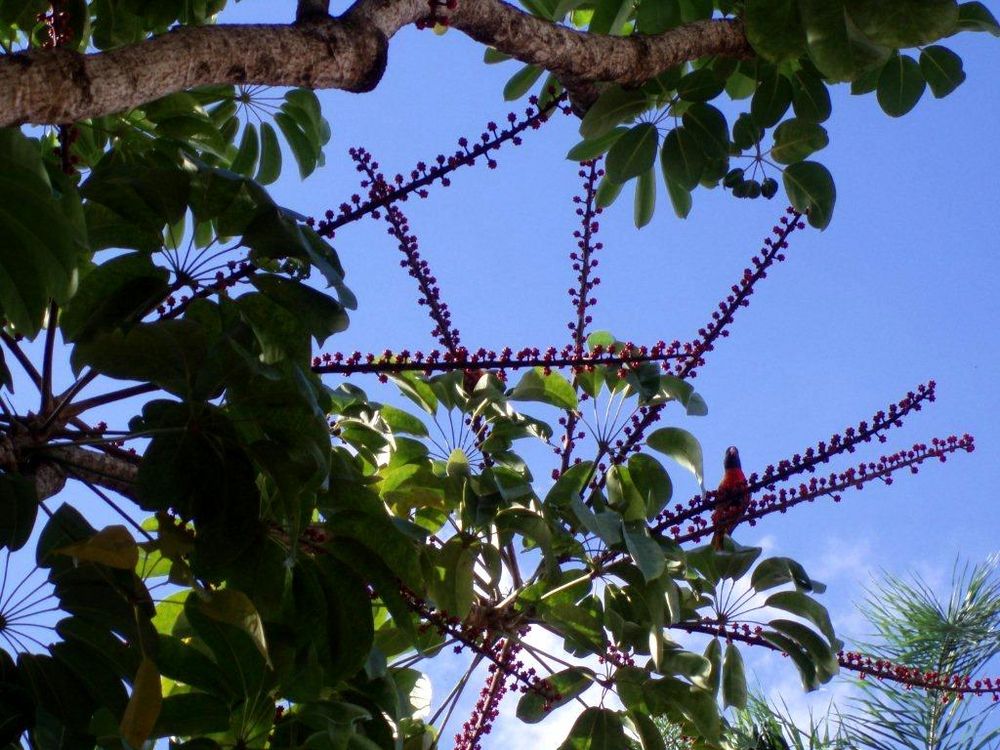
pixel 734 681
pixel 774 29
pixel 680 198
pixel 942 69
pixel 681 446
pixel 975 16
pixel 607 192
pixel 318 313
pixel 633 153
pixel 116 293
pixel 596 729
pixel 646 553
pixel 810 97
pixel 810 189
pixel 900 85
pixel 796 139
pixel 270 155
pixel 645 197
pixel 591 148
pixel 651 481
pixel 521 82
pixel 113 546
pixel 305 152
pixel 551 389
pixel 775 571
pixel 682 158
pixel 798 655
pixel 700 85
pixel 41 245
pixel 771 100
pixel 568 683
pixel 18 510
pixel 656 16
pixel 245 161
pixel 806 607
pixel 708 126
pixel 614 106
pixel 822 656
pixel 904 23
pixel 835 44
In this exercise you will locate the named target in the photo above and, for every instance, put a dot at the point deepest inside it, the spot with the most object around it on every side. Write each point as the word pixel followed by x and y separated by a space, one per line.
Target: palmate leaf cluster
pixel 747 124
pixel 292 549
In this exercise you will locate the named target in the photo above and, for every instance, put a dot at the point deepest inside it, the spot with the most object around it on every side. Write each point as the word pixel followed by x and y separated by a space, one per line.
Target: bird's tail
pixel 717 538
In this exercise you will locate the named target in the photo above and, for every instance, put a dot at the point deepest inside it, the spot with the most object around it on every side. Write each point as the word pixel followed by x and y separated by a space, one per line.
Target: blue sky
pixel 900 289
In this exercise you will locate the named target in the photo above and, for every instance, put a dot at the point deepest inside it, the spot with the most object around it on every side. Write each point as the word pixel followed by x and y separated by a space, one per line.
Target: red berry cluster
pixel 497 362
pixel 812 457
pixel 423 175
pixel 951 684
pixel 58 31
pixel 836 483
pixel 487 708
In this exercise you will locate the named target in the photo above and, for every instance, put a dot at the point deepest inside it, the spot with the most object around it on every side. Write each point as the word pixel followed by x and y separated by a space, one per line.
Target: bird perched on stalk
pixel 731 499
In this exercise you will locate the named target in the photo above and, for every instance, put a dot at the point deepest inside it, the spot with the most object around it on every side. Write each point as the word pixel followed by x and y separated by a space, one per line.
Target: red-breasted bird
pixel 732 497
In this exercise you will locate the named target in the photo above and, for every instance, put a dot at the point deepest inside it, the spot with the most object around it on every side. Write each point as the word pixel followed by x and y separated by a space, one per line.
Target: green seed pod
pixel 733 178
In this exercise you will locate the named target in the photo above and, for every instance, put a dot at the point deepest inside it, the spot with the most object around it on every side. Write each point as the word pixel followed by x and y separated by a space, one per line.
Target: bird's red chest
pixel 733 488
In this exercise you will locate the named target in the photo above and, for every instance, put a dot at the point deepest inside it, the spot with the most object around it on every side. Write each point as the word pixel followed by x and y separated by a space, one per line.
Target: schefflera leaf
pixel 535 705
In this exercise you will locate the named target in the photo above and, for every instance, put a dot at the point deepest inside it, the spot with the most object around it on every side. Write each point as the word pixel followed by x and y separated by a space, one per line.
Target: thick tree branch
pixel 349 52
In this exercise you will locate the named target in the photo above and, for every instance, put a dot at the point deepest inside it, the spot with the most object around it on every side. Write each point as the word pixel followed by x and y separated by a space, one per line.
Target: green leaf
pixel 900 85
pixel 708 126
pixel 810 189
pixel 245 160
pixel 18 510
pixel 117 293
pixel 644 550
pixel 807 670
pixel 734 681
pixel 591 148
pixel 904 23
pixel 568 683
pixel 270 155
pixel 192 714
pixel 775 571
pixel 682 158
pixel 745 132
pixel 700 85
pixel 305 151
pixel 596 729
pixel 316 312
pixel 771 100
pixel 615 105
pixel 398 420
pixel 680 198
pixel 607 192
pixel 41 246
pixel 942 69
pixel 835 44
pixel 796 139
pixel 652 483
pixel 976 17
pixel 774 29
pixel 521 82
pixel 451 582
pixel 823 658
pixel 570 484
pixel 806 607
pixel 656 16
pixel 681 446
pixel 551 389
pixel 645 197
pixel 633 153
pixel 810 97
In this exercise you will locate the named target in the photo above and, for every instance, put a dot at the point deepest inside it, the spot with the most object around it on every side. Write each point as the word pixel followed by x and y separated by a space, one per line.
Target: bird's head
pixel 732 460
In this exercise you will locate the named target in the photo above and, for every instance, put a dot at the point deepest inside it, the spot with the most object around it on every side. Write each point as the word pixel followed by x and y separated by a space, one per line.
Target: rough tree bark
pixel 348 52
